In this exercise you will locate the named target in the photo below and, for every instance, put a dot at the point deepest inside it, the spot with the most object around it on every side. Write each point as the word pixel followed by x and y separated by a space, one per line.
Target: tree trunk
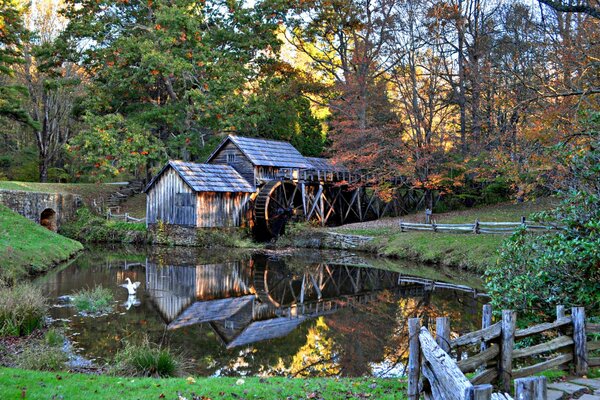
pixel 43 168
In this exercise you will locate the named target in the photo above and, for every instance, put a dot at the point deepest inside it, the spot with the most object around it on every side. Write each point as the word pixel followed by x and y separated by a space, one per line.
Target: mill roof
pixel 207 177
pixel 266 153
pixel 325 164
pixel 212 310
pixel 264 330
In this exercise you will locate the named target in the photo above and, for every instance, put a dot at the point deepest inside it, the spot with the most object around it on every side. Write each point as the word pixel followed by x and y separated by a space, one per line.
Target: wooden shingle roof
pixel 267 153
pixel 265 330
pixel 325 164
pixel 207 177
pixel 212 310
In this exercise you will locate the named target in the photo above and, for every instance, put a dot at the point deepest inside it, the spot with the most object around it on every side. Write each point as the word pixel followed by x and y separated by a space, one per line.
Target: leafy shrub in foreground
pixel 40 357
pixel 146 359
pixel 22 309
pixel 537 272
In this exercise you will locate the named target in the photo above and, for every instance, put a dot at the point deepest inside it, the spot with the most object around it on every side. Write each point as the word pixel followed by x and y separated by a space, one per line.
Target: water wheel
pixel 276 204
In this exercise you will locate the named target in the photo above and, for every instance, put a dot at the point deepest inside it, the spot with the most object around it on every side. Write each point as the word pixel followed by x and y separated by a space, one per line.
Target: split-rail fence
pixel 499 353
pixel 476 227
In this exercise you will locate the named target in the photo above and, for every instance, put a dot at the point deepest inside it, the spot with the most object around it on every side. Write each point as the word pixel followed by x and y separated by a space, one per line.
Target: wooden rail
pixel 123 217
pixel 497 355
pixel 477 227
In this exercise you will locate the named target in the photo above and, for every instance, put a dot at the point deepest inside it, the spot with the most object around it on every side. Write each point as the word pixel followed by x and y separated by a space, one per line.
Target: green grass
pixel 88 191
pixel 146 359
pixel 26 247
pixel 96 300
pixel 22 309
pixel 89 227
pixel 503 212
pixel 17 384
pixel 475 252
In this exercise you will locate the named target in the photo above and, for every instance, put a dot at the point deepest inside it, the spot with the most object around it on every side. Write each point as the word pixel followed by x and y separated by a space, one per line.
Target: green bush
pixel 96 300
pixel 146 359
pixel 89 227
pixel 22 309
pixel 54 338
pixel 496 192
pixel 42 358
pixel 219 237
pixel 537 272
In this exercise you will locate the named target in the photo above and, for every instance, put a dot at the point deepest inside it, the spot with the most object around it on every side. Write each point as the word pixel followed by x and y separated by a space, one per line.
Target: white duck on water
pixel 131 287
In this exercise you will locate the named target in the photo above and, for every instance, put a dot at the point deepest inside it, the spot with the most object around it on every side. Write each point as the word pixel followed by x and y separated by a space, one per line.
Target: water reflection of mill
pixel 261 298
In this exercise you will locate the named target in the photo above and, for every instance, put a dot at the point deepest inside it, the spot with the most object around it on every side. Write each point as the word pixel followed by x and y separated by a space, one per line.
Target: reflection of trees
pixel 318 356
pixel 361 334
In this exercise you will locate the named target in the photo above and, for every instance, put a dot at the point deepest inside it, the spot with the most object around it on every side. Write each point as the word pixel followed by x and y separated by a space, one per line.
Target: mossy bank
pixel 27 248
pixel 384 238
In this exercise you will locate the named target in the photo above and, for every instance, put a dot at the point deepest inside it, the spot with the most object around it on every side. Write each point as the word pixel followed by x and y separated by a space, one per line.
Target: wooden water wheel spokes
pixel 276 204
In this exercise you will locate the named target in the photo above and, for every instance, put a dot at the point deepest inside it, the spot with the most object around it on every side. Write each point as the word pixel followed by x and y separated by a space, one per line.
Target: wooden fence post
pixel 480 392
pixel 560 311
pixel 532 388
pixel 580 341
pixel 442 333
pixel 486 321
pixel 509 319
pixel 414 358
pixel 476 226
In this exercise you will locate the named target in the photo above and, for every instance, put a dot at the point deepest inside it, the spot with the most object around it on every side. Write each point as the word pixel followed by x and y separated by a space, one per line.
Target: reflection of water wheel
pixel 276 203
pixel 275 284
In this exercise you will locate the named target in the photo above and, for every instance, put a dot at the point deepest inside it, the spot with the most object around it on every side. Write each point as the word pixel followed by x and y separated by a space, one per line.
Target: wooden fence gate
pixel 432 371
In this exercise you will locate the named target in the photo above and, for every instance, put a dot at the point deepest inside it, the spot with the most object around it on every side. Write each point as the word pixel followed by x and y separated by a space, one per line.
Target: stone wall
pixel 31 205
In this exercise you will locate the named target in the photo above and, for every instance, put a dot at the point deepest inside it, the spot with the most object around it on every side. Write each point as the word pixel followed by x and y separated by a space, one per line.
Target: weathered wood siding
pixel 221 209
pixel 242 164
pixel 171 200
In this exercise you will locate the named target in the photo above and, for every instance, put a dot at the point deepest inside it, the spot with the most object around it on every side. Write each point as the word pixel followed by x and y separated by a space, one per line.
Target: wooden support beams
pixel 414 358
pixel 442 333
pixel 509 320
pixel 533 388
pixel 486 321
pixel 580 341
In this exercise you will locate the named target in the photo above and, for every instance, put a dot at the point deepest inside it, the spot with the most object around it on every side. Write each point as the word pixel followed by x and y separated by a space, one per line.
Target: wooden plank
pixel 594 361
pixel 543 366
pixel 476 337
pixel 472 363
pixel 486 320
pixel 442 333
pixel 480 392
pixel 593 345
pixel 445 378
pixel 521 333
pixel 560 311
pixel 485 376
pixel 580 339
pixel 592 328
pixel 509 320
pixel 552 345
pixel 414 358
pixel 533 388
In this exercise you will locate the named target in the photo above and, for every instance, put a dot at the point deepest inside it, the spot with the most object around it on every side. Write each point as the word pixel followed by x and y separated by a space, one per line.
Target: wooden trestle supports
pixel 444 377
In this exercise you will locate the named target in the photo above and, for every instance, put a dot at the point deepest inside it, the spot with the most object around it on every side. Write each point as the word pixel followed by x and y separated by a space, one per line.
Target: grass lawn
pixel 26 247
pixel 18 384
pixel 88 191
pixel 465 250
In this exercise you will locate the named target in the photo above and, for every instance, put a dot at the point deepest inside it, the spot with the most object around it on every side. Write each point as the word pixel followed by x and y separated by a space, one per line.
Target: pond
pixel 231 313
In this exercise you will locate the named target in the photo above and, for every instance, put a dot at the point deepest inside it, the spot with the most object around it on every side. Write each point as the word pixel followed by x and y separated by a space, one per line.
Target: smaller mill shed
pixel 197 195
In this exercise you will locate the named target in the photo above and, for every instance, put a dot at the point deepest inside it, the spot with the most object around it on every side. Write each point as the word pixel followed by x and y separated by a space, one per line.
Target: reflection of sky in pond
pixel 242 314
